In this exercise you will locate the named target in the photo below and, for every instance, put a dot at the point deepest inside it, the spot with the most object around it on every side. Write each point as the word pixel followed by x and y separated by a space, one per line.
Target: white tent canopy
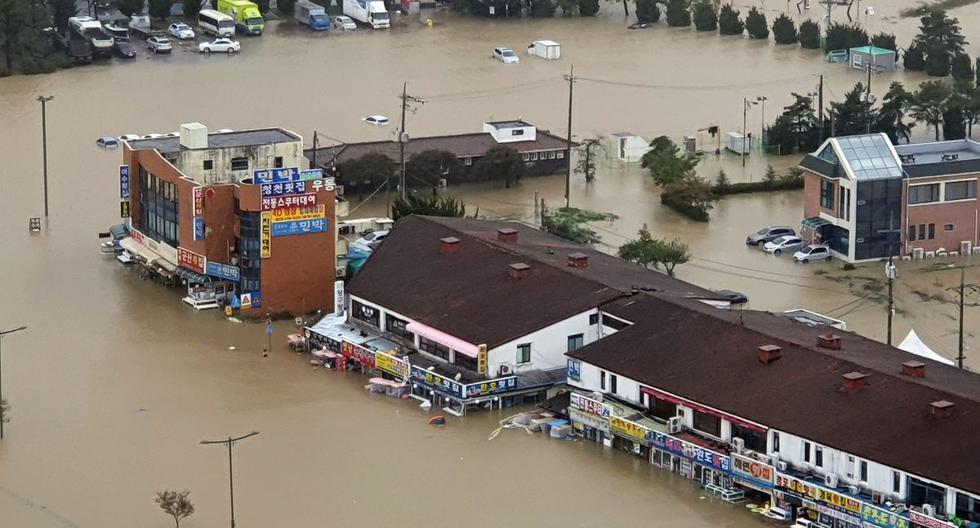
pixel 914 345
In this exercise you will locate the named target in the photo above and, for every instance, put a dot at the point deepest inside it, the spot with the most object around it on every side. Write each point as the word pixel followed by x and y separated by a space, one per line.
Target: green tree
pixel 845 36
pixel 586 165
pixel 263 5
pixel 176 504
pixel 647 11
pixel 427 205
pixel 568 7
pixel 784 30
pixel 809 35
pixel 678 13
pixel 729 22
pixel 193 7
pixel 885 41
pixel 499 163
pixel 705 17
pixel 891 117
pixel 371 169
pixel 648 251
pixel 665 162
pixel 929 103
pixel 691 196
pixel 160 8
pixel 914 59
pixel 796 128
pixel 962 67
pixel 429 166
pixel 851 115
pixel 756 25
pixel 970 95
pixel 14 16
pixel 542 8
pixel 570 223
pixel 954 118
pixel 128 7
pixel 588 7
pixel 937 63
pixel 940 39
pixel 61 11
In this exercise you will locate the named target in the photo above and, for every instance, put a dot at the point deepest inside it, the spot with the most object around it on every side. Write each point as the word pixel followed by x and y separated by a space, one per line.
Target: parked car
pixel 505 55
pixel 181 31
pixel 222 45
pixel 767 234
pixel 376 120
pixel 107 142
pixel 369 241
pixel 812 252
pixel 640 25
pixel 784 243
pixel 733 297
pixel 159 45
pixel 124 49
pixel 344 23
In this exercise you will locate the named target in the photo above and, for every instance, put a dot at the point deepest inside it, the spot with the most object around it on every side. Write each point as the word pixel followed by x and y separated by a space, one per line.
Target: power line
pixel 702 88
pixel 490 92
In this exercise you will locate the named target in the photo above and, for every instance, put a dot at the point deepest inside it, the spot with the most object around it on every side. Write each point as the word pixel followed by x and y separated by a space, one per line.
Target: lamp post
pixel 44 144
pixel 745 110
pixel 2 334
pixel 231 476
pixel 762 100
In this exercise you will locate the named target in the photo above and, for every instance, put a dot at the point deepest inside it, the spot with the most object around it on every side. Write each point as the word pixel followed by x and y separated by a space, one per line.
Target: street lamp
pixel 745 109
pixel 231 477
pixel 762 100
pixel 44 144
pixel 2 334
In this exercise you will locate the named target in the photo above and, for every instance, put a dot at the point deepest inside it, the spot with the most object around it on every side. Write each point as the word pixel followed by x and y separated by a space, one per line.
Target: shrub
pixel 729 22
pixel 756 25
pixel 914 59
pixel 543 8
pixel 962 67
pixel 705 18
pixel 885 41
pixel 647 11
pixel 784 30
pixel 588 7
pixel 691 196
pixel 678 13
pixel 845 36
pixel 809 35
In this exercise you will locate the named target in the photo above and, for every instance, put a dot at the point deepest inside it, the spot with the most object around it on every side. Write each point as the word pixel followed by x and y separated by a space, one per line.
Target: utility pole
pixel 745 111
pixel 314 150
pixel 962 289
pixel 402 135
pixel 44 145
pixel 231 474
pixel 820 106
pixel 762 99
pixel 890 271
pixel 2 334
pixel 568 140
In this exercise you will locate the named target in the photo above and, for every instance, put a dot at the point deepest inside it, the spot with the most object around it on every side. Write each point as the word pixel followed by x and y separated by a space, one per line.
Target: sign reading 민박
pixel 819 494
pixel 301 200
pixel 881 517
pixel 275 175
pixel 928 522
pixel 752 470
pixel 295 212
pixel 190 260
pixel 299 227
pixel 590 406
pixel 392 365
pixel 357 353
pixel 574 369
pixel 630 430
pixel 297 187
pixel 124 182
pixel 223 271
pixel 690 451
pixel 265 235
pixel 197 194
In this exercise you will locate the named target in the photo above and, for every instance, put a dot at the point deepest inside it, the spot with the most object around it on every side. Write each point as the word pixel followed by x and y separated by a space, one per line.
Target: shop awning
pixel 139 250
pixel 444 339
pixel 814 222
pixel 192 276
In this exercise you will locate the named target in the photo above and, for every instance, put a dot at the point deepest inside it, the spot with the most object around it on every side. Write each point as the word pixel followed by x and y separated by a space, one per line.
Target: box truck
pixel 248 19
pixel 312 15
pixel 370 12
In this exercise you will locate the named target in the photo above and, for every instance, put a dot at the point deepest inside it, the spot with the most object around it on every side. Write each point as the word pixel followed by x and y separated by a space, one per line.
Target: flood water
pixel 116 382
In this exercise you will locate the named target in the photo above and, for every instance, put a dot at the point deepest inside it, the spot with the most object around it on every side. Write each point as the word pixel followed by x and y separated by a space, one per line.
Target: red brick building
pixel 234 217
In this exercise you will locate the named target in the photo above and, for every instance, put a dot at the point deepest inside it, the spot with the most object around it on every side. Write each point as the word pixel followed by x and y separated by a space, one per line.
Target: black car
pixel 124 49
pixel 733 297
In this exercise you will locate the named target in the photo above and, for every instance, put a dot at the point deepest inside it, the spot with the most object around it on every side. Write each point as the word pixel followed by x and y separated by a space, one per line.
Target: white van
pixel 216 23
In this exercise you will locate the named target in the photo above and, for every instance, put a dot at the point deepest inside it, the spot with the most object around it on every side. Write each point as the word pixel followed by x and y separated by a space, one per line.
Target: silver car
pixel 811 253
pixel 784 243
pixel 768 233
pixel 159 44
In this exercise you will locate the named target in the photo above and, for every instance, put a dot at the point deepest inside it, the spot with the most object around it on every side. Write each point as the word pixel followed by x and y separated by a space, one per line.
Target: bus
pixel 248 19
pixel 216 23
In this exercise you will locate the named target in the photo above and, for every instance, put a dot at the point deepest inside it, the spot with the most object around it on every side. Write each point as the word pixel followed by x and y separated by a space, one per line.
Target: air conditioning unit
pixel 738 445
pixel 878 498
pixel 597 396
pixel 853 490
pixel 918 253
pixel 505 370
pixel 966 247
pixel 830 479
pixel 675 424
pixel 929 510
pixel 780 465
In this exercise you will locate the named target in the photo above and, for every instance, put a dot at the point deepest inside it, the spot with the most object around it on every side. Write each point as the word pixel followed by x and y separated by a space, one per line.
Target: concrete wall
pixel 548 345
pixel 962 214
pixel 191 162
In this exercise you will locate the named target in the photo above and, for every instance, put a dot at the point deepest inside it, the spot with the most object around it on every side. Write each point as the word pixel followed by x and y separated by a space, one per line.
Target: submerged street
pixel 116 381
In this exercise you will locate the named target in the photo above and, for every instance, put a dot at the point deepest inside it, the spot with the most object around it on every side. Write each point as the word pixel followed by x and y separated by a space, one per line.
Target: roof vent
pixel 853 381
pixel 518 270
pixel 942 408
pixel 578 260
pixel 829 340
pixel 914 369
pixel 507 235
pixel 769 353
pixel 448 245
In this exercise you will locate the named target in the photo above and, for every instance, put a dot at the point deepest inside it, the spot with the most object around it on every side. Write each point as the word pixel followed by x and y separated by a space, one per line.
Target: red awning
pixel 444 339
pixel 700 408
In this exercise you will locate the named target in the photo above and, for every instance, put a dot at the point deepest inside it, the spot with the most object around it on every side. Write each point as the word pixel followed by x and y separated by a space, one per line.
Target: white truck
pixel 91 30
pixel 312 15
pixel 370 12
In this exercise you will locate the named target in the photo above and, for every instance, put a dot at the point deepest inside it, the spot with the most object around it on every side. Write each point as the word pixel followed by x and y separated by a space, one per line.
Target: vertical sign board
pixel 198 195
pixel 190 260
pixel 574 370
pixel 124 183
pixel 265 235
pixel 199 228
pixel 124 209
pixel 338 297
pixel 481 360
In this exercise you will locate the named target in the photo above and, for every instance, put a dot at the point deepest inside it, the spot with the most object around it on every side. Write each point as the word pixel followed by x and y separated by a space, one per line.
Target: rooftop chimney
pixel 193 136
pixel 507 235
pixel 942 408
pixel 914 369
pixel 829 340
pixel 769 353
pixel 448 245
pixel 853 381
pixel 578 260
pixel 519 270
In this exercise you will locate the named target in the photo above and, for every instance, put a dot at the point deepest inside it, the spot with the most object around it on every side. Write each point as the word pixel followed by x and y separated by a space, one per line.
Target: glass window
pixel 278 162
pixel 818 457
pixel 967 507
pixel 863 471
pixel 920 194
pixel 775 442
pixel 464 361
pixel 602 379
pixel 208 164
pixel 826 194
pixel 367 314
pixel 524 353
pixel 561 154
pixel 922 231
pixel 397 326
pixel 239 164
pixel 707 423
pixel 593 319
pixel 575 342
pixel 932 231
pixel 896 481
pixel 806 451
pixel 947 227
pixel 551 155
pixel 754 440
pixel 961 190
pixel 434 348
pixel 664 409
pixel 534 156
pixel 612 383
pixel 912 233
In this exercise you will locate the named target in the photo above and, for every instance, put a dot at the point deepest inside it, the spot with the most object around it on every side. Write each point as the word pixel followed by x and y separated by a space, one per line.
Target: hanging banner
pixel 265 235
pixel 124 209
pixel 190 260
pixel 481 360
pixel 301 200
pixel 197 194
pixel 124 183
pixel 309 212
pixel 299 227
pixel 629 430
pixel 392 365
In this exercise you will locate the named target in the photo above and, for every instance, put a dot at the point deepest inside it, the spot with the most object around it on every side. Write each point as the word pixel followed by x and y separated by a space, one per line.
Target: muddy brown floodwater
pixel 116 382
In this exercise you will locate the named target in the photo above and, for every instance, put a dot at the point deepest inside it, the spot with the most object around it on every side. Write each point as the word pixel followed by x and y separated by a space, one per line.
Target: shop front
pixel 753 476
pixel 589 417
pixel 630 436
pixel 876 517
pixel 691 461
pixel 454 397
pixel 821 505
pixel 921 520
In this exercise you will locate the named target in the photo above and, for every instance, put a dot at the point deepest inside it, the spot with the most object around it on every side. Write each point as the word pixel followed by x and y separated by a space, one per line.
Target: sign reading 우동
pixel 299 227
pixel 124 182
pixel 297 187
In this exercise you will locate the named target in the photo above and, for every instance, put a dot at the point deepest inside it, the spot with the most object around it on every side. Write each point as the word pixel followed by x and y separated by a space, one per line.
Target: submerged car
pixel 107 142
pixel 376 120
pixel 124 49
pixel 344 23
pixel 181 31
pixel 812 252
pixel 370 241
pixel 221 45
pixel 783 243
pixel 505 55
pixel 767 234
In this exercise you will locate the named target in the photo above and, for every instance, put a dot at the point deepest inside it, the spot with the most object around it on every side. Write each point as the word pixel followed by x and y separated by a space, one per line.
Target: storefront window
pixel 158 208
pixel 754 440
pixel 434 348
pixel 967 507
pixel 707 423
pixel 367 314
pixel 925 493
pixel 664 409
pixel 397 326
pixel 465 361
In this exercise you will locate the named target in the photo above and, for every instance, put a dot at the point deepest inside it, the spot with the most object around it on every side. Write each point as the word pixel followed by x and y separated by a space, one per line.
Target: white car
pixel 812 252
pixel 152 136
pixel 505 55
pixel 369 241
pixel 783 243
pixel 376 120
pixel 344 23
pixel 221 45
pixel 159 45
pixel 181 31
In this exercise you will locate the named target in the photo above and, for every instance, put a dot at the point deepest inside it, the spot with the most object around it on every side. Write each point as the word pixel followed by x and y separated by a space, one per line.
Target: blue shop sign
pixel 280 189
pixel 486 388
pixel 299 227
pixel 199 228
pixel 691 451
pixel 438 382
pixel 223 271
pixel 124 182
pixel 275 175
pixel 574 369
pixel 311 174
pixel 882 517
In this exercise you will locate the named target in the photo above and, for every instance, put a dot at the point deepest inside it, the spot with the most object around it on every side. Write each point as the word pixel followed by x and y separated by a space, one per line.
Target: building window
pixel 464 361
pixel 863 471
pixel 806 451
pixel 467 161
pixel 922 231
pixel 397 326
pixel 602 380
pixel 367 314
pixel 896 482
pixel 238 164
pixel 277 162
pixel 967 507
pixel 826 194
pixel 932 231
pixel 561 154
pixel 707 423
pixel 920 492
pixel 551 155
pixel 818 456
pixel 524 353
pixel 612 383
pixel 920 194
pixel 614 323
pixel 754 440
pixel 434 348
pixel 775 442
pixel 534 156
pixel 961 190
pixel 593 319
pixel 527 157
pixel 208 165
pixel 159 208
pixel 947 227
pixel 664 409
pixel 575 342
pixel 912 233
